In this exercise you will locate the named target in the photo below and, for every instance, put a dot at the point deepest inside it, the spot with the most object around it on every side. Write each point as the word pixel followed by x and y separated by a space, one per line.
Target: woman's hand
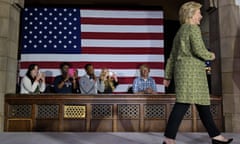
pixel 40 77
pixel 166 83
pixel 43 77
pixel 213 56
pixel 114 76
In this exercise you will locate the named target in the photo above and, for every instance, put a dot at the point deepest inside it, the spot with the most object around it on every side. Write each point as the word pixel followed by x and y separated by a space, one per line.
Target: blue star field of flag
pixel 51 30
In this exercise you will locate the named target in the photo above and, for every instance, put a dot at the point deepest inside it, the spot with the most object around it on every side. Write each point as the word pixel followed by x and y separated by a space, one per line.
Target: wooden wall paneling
pixel 99 113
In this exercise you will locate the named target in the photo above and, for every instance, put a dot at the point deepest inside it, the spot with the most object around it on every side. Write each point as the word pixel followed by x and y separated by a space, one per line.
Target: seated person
pixel 89 83
pixel 66 82
pixel 33 81
pixel 144 84
pixel 110 80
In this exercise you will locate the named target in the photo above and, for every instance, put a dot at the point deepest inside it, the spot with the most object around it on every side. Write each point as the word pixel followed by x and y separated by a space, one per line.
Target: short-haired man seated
pixel 144 84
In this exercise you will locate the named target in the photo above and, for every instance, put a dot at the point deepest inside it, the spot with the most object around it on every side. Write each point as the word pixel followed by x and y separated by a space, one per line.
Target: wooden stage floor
pixel 104 138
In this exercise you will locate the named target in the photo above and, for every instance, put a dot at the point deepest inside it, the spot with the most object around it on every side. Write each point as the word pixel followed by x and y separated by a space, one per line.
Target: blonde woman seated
pixel 33 81
pixel 110 80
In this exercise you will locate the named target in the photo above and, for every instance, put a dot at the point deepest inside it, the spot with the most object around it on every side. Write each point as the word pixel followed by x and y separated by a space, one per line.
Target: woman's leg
pixel 175 119
pixel 207 120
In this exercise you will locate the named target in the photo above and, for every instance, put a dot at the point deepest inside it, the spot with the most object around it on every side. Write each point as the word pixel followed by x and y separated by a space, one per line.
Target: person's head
pixel 144 70
pixel 105 71
pixel 89 69
pixel 65 67
pixel 32 71
pixel 189 13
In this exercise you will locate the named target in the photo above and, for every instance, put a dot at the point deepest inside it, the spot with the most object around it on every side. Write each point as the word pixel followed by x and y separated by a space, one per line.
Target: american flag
pixel 118 39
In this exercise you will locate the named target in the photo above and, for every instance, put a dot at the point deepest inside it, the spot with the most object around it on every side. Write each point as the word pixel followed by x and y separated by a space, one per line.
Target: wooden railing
pixel 101 113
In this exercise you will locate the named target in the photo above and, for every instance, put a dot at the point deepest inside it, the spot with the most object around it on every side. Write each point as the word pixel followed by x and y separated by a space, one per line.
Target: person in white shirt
pixel 33 81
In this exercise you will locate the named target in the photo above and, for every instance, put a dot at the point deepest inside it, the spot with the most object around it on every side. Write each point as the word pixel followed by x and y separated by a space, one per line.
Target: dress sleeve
pixel 197 44
pixel 42 86
pixel 28 86
pixel 170 62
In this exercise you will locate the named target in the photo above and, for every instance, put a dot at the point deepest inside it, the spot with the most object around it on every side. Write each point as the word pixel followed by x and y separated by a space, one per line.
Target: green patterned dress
pixel 187 65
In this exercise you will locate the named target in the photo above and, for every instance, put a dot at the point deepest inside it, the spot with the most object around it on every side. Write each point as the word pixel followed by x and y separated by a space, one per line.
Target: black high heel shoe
pixel 214 141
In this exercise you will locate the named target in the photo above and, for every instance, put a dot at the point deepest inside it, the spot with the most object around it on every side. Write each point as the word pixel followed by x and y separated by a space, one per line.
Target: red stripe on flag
pixel 97 65
pixel 129 80
pixel 121 80
pixel 122 36
pixel 122 21
pixel 118 50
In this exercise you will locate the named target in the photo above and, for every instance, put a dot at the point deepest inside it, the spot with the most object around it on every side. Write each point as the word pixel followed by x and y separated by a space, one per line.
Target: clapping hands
pixel 40 76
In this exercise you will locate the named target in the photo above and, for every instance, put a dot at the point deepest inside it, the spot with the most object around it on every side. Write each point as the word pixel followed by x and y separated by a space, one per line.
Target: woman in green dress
pixel 187 65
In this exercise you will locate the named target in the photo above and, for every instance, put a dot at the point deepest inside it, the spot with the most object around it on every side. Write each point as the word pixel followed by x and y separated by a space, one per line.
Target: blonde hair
pixel 187 10
pixel 109 81
pixel 144 66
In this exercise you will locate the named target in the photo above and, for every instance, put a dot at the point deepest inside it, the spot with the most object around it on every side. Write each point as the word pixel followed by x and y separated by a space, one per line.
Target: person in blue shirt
pixel 65 83
pixel 144 84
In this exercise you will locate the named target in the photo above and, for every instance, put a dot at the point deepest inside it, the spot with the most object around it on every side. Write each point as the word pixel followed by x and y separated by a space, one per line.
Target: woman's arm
pixel 171 62
pixel 198 46
pixel 28 86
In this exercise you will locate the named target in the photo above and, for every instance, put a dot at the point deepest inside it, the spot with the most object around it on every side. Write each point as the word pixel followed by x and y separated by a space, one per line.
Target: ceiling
pixel 170 7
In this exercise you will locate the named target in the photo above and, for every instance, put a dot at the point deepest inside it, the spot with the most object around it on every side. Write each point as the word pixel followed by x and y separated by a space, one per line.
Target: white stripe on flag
pixel 122 43
pixel 122 28
pixel 121 14
pixel 90 58
pixel 81 72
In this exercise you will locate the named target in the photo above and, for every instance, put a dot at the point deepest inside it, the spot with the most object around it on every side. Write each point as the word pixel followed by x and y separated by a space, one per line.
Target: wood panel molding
pixel 99 113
